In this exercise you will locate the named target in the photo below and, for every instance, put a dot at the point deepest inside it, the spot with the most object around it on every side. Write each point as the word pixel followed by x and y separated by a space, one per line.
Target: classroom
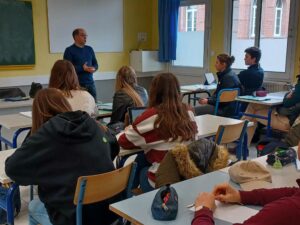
pixel 173 101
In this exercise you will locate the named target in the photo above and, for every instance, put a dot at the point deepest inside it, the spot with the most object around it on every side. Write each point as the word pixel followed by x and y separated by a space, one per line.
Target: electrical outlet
pixel 142 37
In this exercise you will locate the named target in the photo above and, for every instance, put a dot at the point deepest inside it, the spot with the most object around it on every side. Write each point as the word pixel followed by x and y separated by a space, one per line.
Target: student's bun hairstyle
pixel 254 52
pixel 227 59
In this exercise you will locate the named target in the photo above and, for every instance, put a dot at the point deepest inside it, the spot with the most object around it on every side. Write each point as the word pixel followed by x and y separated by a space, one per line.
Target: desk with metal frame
pixel 16 122
pixel 137 210
pixel 192 90
pixel 7 107
pixel 273 100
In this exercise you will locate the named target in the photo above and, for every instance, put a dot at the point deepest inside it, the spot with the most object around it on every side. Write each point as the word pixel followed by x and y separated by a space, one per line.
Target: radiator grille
pixel 276 86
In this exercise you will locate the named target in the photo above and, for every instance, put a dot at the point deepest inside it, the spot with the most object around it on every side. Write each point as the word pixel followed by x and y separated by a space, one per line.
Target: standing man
pixel 253 77
pixel 84 60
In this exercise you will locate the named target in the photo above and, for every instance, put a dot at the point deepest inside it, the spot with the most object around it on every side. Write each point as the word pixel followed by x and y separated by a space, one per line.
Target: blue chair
pixel 8 205
pixel 234 133
pixel 96 188
pixel 227 95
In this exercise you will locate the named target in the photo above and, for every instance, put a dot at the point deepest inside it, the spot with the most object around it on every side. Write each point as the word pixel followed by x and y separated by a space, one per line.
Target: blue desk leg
pixel 269 130
pixel 0 138
pixel 245 147
pixel 9 201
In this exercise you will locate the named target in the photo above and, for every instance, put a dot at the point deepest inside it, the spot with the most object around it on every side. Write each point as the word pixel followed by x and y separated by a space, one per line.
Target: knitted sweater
pixel 82 100
pixel 78 57
pixel 143 134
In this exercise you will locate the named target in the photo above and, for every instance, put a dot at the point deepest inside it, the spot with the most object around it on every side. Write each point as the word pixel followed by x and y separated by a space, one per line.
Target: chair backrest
pixel 230 133
pixel 96 188
pixel 134 112
pixel 226 95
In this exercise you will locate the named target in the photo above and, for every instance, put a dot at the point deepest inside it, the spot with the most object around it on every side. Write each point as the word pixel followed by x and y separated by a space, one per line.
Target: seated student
pixel 226 79
pixel 63 76
pixel 63 146
pixel 253 77
pixel 280 205
pixel 127 94
pixel 166 122
pixel 283 117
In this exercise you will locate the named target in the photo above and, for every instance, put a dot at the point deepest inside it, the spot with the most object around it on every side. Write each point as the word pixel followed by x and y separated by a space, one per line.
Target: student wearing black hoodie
pixel 63 145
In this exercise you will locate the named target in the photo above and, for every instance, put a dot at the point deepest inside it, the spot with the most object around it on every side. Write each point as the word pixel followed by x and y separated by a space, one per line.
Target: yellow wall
pixel 137 18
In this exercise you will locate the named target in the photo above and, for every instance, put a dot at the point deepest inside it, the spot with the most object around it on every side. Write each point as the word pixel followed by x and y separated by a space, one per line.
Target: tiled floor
pixel 22 218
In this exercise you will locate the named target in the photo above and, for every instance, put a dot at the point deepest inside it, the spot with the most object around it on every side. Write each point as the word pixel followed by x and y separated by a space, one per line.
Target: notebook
pixel 105 106
pixel 134 112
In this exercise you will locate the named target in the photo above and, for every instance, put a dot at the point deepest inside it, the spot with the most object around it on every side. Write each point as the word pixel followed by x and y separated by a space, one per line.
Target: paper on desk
pixel 232 213
pixel 27 114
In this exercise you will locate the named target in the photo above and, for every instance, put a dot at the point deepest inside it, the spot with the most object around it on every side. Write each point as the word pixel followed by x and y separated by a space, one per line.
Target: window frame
pixel 278 9
pixel 288 75
pixel 190 70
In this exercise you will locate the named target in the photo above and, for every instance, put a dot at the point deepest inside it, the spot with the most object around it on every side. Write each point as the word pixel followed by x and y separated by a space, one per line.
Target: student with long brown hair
pixel 127 94
pixel 63 146
pixel 166 122
pixel 63 76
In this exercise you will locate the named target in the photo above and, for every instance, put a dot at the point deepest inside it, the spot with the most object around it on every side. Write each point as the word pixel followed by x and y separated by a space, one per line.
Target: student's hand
pixel 226 193
pixel 207 200
pixel 289 95
pixel 203 101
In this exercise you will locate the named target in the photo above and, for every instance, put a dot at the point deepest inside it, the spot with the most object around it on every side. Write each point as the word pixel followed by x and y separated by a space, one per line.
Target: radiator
pixel 277 86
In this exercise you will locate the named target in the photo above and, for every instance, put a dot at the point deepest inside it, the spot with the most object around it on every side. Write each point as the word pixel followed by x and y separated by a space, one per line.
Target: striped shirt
pixel 143 134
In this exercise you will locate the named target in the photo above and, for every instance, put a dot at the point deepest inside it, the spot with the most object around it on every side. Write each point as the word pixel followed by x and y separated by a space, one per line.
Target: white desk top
pixel 273 99
pixel 15 121
pixel 198 87
pixel 285 177
pixel 4 154
pixel 17 104
pixel 208 124
pixel 138 209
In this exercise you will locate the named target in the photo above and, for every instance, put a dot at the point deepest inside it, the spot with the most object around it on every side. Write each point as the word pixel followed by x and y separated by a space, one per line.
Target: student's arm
pixel 293 99
pixel 265 196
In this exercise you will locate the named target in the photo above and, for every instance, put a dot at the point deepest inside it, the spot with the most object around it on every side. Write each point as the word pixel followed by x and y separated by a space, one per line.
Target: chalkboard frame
pixel 20 41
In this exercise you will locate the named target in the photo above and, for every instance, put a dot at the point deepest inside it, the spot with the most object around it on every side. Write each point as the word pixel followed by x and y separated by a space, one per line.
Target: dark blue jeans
pixel 141 173
pixel 91 88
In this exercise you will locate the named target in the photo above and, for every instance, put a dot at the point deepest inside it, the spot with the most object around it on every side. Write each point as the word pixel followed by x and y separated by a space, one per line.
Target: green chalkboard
pixel 16 34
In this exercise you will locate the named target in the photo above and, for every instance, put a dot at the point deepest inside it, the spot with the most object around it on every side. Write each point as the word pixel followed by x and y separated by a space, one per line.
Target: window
pixel 253 19
pixel 278 18
pixel 191 18
pixel 191 35
pixel 260 23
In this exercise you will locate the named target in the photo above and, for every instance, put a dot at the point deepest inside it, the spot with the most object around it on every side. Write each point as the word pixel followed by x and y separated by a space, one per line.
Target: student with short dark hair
pixel 252 78
pixel 226 79
pixel 63 146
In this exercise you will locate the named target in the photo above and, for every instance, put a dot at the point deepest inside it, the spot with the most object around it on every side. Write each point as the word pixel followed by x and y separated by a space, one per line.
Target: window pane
pixel 190 37
pixel 274 34
pixel 242 27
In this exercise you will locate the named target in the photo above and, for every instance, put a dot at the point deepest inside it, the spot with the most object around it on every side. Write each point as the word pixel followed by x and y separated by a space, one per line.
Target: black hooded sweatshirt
pixel 67 146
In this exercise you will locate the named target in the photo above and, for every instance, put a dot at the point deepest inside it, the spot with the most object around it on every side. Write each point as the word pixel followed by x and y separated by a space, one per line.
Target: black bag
pixel 285 156
pixel 35 87
pixel 268 145
pixel 11 93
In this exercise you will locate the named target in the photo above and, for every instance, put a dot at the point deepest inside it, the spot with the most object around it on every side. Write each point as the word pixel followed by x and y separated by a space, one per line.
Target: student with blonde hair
pixel 166 122
pixel 127 94
pixel 63 76
pixel 63 145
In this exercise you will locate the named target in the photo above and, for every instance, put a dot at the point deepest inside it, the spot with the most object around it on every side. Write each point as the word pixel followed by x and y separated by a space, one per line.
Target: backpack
pixel 35 87
pixel 16 203
pixel 268 145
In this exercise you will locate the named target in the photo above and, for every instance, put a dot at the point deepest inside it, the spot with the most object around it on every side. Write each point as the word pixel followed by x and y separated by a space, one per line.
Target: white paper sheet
pixel 231 212
pixel 27 114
